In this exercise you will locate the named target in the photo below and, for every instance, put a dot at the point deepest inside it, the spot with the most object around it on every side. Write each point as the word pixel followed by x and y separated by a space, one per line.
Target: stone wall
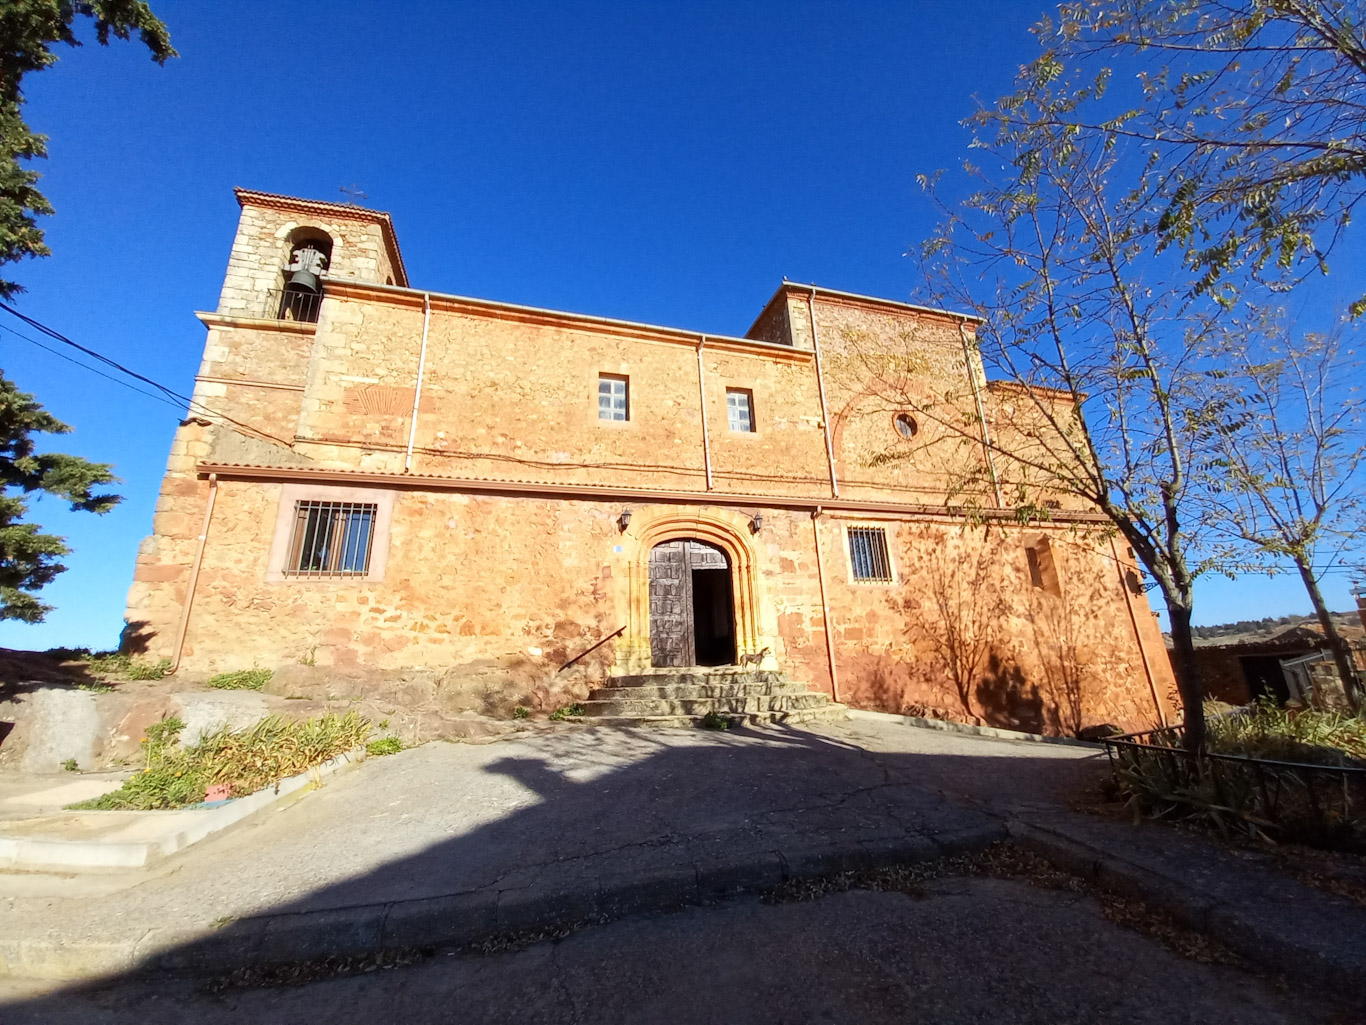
pixel 520 585
pixel 516 584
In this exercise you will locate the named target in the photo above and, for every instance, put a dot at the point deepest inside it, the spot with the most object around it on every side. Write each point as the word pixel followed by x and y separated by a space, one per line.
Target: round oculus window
pixel 906 425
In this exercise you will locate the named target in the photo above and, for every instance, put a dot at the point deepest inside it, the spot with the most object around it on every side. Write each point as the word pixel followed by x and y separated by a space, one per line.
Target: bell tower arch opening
pixel 309 256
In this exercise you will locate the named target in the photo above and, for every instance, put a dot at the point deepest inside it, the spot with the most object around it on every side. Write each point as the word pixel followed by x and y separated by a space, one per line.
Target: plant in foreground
pixel 573 711
pixel 70 765
pixel 521 712
pixel 714 720
pixel 384 746
pixel 244 760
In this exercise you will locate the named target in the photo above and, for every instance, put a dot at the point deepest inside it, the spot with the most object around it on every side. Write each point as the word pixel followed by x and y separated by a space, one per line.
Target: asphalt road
pixel 963 950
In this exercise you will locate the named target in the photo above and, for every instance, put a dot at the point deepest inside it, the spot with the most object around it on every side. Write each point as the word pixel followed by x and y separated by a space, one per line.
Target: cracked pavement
pixel 523 817
pixel 962 952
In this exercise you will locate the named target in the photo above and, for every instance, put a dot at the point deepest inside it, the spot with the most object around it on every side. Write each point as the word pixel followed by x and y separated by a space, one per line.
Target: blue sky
pixel 651 162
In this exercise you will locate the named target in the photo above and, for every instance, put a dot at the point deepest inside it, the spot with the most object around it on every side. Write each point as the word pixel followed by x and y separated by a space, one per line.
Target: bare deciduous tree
pixel 1288 419
pixel 1254 109
pixel 1101 340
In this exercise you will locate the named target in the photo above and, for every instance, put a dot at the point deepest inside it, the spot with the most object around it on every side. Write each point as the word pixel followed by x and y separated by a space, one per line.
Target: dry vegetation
pixel 246 760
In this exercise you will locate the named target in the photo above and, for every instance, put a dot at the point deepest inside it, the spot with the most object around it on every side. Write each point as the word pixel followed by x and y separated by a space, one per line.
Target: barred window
pixel 868 554
pixel 740 409
pixel 613 398
pixel 331 539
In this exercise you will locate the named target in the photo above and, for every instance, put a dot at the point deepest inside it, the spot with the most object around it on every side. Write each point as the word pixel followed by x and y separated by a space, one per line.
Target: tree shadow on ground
pixel 612 814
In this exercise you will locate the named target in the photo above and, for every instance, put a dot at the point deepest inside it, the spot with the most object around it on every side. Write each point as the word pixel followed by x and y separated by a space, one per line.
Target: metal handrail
pixel 588 651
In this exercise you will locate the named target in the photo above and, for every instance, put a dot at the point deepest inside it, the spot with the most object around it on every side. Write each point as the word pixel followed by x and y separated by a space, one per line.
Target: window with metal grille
pixel 331 539
pixel 613 398
pixel 868 554
pixel 740 409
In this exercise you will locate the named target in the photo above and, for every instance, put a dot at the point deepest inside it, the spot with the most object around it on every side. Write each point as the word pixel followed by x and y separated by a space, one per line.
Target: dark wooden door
pixel 671 625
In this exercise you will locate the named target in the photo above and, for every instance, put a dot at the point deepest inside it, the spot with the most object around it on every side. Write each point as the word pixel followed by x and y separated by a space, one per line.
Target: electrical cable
pixel 178 398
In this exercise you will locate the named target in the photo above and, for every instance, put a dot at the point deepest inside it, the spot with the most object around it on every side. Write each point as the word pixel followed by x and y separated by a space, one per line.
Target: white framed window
pixel 614 397
pixel 740 409
pixel 868 556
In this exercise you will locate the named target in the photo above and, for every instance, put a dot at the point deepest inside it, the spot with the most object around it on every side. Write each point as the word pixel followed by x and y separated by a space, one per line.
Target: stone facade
pixel 498 493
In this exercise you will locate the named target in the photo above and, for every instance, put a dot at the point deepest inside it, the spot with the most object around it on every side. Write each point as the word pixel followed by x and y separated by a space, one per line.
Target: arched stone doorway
pixel 692 611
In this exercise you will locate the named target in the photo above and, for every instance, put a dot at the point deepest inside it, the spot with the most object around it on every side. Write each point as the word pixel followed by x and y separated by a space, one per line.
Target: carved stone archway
pixel 727 531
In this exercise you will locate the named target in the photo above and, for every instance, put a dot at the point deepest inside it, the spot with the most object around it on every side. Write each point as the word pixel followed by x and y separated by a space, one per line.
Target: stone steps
pixel 679 697
pixel 683 691
pixel 700 676
pixel 702 705
pixel 830 712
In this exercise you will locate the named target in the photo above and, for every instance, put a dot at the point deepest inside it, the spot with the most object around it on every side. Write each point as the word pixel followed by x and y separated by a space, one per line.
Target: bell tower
pixel 285 247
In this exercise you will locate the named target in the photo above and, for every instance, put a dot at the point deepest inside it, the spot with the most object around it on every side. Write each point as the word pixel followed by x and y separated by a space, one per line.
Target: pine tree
pixel 28 28
pixel 29 559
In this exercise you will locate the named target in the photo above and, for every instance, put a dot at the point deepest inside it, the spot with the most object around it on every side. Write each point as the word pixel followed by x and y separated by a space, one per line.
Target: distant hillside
pixel 1262 629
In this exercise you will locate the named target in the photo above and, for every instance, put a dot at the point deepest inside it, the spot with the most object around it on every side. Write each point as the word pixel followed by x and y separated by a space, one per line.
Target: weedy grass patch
pixel 245 760
pixel 568 712
pixel 384 746
pixel 125 667
pixel 242 679
pixel 1317 736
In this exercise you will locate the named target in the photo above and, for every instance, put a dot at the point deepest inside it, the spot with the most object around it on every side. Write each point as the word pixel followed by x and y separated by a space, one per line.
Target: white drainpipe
pixel 417 392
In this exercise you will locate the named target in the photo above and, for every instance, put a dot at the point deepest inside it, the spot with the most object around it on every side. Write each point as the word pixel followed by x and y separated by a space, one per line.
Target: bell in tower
pixel 302 292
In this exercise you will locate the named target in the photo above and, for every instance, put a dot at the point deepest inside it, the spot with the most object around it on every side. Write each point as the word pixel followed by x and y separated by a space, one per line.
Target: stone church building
pixel 385 476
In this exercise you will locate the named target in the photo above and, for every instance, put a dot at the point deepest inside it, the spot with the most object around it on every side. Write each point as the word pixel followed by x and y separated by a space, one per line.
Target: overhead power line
pixel 167 394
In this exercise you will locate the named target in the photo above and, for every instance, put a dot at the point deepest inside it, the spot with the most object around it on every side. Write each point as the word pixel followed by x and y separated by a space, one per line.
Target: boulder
pixel 207 711
pixel 60 723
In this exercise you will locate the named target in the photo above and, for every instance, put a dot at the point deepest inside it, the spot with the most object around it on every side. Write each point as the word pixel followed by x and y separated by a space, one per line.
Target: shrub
pixel 384 746
pixel 1320 736
pixel 521 712
pixel 247 760
pixel 70 765
pixel 243 679
pixel 714 720
pixel 568 712
pixel 1265 785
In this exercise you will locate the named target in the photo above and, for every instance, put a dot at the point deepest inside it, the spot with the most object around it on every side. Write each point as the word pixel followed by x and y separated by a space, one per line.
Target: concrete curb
pixel 969 729
pixel 25 853
pixel 1320 956
pixel 458 919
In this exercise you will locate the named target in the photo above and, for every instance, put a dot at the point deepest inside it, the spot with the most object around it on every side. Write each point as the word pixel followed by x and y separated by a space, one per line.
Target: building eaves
pixel 601 492
pixel 788 287
pixel 320 206
pixel 585 319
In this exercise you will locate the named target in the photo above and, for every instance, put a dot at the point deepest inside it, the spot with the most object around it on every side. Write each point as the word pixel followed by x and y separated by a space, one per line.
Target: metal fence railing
pixel 284 304
pixel 1303 802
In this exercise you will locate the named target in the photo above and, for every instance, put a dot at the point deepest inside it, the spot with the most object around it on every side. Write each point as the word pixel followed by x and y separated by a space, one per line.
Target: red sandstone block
pixel 158 572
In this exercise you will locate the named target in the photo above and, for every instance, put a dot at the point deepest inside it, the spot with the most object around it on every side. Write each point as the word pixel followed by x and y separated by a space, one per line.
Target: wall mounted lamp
pixel 624 519
pixel 756 524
